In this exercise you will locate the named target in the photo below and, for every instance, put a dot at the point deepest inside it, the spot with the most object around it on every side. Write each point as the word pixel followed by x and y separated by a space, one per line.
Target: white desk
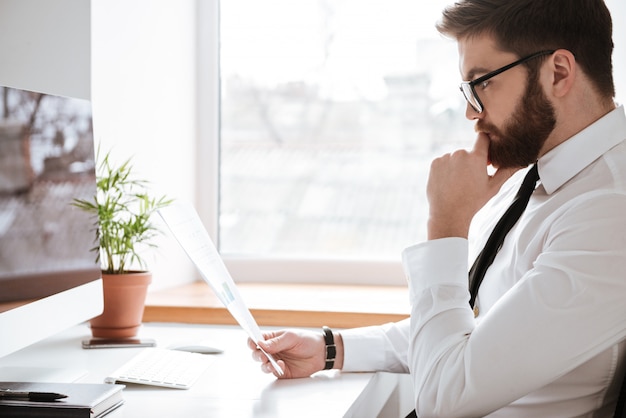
pixel 233 386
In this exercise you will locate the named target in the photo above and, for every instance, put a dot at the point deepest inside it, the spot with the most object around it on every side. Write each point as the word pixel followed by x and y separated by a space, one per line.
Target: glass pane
pixel 331 112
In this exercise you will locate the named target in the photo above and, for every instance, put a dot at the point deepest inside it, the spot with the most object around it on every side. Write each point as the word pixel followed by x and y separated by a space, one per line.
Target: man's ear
pixel 564 71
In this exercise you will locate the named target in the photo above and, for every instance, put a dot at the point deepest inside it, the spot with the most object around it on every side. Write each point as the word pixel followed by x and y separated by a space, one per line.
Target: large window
pixel 330 114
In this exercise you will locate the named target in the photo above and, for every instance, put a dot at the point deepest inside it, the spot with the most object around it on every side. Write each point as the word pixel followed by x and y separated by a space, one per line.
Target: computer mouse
pixel 198 348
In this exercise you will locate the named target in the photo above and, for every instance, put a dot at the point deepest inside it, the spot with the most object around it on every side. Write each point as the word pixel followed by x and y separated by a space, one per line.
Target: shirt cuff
pixel 437 262
pixel 363 349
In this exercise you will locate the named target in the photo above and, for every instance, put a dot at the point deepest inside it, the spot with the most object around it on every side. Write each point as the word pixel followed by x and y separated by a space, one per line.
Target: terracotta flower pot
pixel 124 299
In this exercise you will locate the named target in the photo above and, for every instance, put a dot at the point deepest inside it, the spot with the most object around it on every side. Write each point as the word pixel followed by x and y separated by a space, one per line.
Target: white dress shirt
pixel 548 339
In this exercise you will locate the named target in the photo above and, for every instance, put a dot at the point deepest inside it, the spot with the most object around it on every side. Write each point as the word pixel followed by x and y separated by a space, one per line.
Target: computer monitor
pixel 49 277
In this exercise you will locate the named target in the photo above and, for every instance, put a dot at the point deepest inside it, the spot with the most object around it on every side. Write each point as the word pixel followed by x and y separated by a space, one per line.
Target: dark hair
pixel 523 27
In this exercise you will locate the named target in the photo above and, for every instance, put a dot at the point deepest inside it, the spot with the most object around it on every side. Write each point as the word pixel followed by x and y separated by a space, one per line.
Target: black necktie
pixel 504 225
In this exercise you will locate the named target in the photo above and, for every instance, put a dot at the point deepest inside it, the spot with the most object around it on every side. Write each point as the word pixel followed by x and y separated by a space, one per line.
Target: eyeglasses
pixel 467 87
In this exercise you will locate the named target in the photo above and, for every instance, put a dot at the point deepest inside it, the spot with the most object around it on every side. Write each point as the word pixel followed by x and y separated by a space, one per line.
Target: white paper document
pixel 186 226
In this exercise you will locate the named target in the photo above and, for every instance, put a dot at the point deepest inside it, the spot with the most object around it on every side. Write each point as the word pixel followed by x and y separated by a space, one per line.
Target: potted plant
pixel 123 210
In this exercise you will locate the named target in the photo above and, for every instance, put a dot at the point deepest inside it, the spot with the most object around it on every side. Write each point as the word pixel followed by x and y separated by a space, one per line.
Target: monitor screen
pixel 49 277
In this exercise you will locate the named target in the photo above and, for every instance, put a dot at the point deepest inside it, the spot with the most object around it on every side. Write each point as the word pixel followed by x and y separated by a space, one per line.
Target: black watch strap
pixel 331 349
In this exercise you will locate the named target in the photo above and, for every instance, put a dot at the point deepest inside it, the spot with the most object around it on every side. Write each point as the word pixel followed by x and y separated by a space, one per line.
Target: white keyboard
pixel 162 367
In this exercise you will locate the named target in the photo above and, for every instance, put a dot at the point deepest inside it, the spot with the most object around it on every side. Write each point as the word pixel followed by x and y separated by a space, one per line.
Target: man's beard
pixel 525 133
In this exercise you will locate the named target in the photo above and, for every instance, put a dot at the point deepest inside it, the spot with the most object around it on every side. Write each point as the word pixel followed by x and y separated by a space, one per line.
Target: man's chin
pixel 500 162
pixel 499 165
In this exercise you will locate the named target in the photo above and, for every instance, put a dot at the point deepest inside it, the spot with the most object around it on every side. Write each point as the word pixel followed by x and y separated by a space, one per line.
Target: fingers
pixel 272 345
pixel 481 146
pixel 264 344
pixel 269 369
pixel 251 344
pixel 266 366
pixel 277 342
pixel 257 355
pixel 481 149
pixel 459 184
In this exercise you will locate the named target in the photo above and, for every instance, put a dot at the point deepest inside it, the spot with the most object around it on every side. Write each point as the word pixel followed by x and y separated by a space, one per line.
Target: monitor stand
pixel 40 374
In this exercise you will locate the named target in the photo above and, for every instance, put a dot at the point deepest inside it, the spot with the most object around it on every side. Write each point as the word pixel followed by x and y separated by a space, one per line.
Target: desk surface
pixel 233 386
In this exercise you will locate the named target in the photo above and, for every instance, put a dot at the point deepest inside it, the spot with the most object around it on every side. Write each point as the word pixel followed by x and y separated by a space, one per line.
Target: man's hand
pixel 298 353
pixel 458 186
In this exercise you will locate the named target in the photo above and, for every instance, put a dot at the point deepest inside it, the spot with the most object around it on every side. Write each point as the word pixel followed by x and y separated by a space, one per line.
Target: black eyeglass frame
pixel 467 87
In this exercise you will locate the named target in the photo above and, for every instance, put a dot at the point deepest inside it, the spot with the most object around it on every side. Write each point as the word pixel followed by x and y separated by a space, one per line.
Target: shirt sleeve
pixel 567 309
pixel 376 348
pixel 384 348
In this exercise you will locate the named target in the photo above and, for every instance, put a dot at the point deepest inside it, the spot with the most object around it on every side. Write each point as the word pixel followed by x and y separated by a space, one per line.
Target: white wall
pixel 143 92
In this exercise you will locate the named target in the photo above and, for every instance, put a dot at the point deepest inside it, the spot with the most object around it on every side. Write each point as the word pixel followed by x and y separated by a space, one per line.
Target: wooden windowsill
pixel 283 305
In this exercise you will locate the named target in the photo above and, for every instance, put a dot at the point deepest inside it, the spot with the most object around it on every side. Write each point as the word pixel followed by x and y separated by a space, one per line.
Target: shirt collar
pixel 569 158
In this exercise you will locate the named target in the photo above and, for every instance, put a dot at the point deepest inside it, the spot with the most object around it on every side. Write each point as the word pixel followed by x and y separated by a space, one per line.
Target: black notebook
pixel 84 400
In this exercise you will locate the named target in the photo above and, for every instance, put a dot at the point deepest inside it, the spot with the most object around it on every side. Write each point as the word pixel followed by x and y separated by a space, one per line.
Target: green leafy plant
pixel 124 209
